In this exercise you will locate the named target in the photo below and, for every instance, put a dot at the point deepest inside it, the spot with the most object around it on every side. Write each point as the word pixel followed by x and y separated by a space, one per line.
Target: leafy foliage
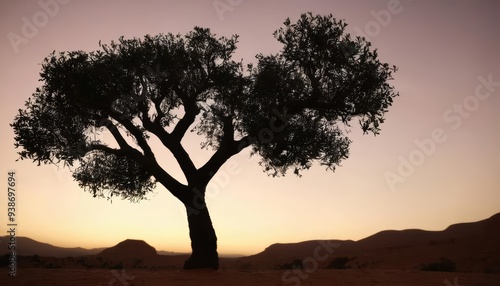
pixel 293 107
pixel 324 79
pixel 106 174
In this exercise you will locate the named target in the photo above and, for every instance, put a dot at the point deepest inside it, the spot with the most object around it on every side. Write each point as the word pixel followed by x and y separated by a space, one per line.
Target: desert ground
pixel 463 254
pixel 135 277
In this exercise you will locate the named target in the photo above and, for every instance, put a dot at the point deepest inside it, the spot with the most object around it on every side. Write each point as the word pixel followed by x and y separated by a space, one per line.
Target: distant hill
pixel 278 254
pixel 472 246
pixel 26 246
pixel 29 247
pixel 129 248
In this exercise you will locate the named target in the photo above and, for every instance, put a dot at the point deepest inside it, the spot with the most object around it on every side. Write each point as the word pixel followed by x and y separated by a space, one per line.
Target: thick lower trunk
pixel 203 238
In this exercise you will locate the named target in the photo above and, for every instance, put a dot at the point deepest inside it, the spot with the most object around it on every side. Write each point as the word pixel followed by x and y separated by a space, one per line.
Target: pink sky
pixel 444 126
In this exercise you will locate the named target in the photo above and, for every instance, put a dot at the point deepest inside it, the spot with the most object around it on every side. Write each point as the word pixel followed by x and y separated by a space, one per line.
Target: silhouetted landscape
pixel 461 248
pixel 231 142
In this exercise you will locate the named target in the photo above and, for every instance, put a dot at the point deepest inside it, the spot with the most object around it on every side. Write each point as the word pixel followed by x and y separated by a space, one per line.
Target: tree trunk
pixel 202 234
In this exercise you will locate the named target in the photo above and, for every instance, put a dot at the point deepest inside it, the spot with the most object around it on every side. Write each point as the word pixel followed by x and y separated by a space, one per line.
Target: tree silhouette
pixel 291 108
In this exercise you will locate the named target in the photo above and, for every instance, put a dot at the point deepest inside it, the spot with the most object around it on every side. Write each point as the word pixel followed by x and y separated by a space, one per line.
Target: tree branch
pixel 148 161
pixel 107 149
pixel 191 111
pixel 228 147
pixel 171 184
pixel 113 129
pixel 136 132
pixel 170 142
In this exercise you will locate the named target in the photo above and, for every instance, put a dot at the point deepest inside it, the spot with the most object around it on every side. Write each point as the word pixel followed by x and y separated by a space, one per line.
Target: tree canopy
pixel 291 108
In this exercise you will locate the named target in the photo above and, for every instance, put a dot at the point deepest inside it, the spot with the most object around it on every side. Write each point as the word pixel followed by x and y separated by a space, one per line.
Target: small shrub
pixel 492 269
pixel 51 265
pixel 444 265
pixel 339 263
pixel 488 270
pixel 296 264
pixel 118 265
pixel 4 260
pixel 137 263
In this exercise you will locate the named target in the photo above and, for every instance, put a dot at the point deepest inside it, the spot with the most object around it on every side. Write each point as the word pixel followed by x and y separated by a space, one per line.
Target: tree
pixel 291 108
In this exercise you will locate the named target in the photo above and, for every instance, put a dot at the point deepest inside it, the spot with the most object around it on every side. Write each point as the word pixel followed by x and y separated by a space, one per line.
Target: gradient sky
pixel 445 51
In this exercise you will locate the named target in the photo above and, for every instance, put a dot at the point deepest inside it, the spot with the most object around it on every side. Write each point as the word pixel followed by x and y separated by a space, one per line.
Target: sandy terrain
pixel 54 277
